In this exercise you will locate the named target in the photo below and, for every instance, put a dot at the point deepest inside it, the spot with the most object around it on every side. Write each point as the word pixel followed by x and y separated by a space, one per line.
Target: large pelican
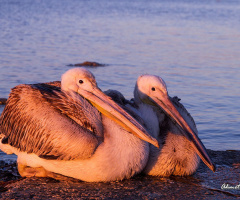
pixel 58 131
pixel 171 124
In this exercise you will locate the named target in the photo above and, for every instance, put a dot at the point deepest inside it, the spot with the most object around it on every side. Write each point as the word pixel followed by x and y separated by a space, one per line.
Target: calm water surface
pixel 193 45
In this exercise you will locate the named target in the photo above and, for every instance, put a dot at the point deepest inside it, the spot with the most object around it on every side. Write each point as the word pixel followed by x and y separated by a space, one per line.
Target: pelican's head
pixel 147 86
pixel 83 82
pixel 78 78
pixel 152 90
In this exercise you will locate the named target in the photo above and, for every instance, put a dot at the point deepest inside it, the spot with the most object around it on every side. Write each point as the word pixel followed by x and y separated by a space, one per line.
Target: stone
pixel 3 101
pixel 87 64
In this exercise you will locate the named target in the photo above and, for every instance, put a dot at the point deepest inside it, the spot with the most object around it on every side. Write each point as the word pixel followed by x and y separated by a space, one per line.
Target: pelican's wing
pixel 53 83
pixel 125 104
pixel 185 114
pixel 42 119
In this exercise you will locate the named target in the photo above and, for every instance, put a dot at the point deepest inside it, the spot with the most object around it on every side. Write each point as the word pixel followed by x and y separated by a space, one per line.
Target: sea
pixel 194 45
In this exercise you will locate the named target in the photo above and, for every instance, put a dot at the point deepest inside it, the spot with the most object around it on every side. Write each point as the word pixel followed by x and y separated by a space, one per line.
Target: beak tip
pixel 156 144
pixel 213 168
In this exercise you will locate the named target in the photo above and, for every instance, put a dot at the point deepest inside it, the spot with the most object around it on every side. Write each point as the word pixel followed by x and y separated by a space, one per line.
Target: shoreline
pixel 203 184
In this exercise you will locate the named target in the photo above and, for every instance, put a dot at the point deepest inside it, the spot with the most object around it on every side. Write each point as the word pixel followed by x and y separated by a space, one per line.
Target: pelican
pixel 56 130
pixel 170 123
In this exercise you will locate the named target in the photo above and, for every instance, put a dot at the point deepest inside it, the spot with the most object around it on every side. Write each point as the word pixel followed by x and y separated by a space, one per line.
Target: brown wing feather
pixel 122 101
pixel 42 119
pixel 54 83
pixel 186 115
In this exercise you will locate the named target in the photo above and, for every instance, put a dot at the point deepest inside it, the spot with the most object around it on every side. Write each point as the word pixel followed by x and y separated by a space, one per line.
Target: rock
pixel 88 64
pixel 3 101
pixel 204 184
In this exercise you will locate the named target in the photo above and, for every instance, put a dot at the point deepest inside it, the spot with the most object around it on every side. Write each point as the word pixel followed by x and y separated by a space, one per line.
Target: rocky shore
pixel 204 184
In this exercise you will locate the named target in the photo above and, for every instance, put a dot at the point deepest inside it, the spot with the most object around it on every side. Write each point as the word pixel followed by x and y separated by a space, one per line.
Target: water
pixel 193 45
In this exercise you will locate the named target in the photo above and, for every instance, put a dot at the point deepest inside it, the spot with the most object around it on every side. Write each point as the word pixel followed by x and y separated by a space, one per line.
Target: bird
pixel 74 130
pixel 170 123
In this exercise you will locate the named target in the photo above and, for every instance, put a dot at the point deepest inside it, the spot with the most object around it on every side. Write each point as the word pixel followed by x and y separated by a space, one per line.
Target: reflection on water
pixel 193 46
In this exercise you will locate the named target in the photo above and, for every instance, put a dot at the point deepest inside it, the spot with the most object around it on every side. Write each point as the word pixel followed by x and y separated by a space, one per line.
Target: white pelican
pixel 54 130
pixel 171 124
pixel 178 140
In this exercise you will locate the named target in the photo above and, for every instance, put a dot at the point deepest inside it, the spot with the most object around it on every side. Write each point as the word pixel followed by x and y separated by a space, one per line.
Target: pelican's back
pixel 44 120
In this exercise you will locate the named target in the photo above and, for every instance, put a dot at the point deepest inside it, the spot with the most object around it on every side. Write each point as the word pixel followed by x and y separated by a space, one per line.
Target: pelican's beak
pixel 167 106
pixel 112 110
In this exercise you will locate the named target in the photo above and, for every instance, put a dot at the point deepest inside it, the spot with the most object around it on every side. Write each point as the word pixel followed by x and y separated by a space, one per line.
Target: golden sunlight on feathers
pixel 59 131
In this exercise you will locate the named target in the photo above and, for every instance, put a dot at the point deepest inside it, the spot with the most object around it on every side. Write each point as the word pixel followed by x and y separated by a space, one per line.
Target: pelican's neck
pixel 123 148
pixel 150 117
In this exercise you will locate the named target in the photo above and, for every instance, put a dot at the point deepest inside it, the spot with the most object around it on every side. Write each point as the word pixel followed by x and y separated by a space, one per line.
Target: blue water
pixel 193 45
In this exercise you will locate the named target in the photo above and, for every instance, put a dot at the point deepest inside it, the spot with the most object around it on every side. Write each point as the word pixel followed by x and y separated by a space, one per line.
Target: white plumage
pixel 59 131
pixel 177 136
pixel 170 123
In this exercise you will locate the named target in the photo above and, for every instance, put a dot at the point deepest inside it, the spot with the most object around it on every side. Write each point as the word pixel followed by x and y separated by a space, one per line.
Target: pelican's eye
pixel 153 89
pixel 81 81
